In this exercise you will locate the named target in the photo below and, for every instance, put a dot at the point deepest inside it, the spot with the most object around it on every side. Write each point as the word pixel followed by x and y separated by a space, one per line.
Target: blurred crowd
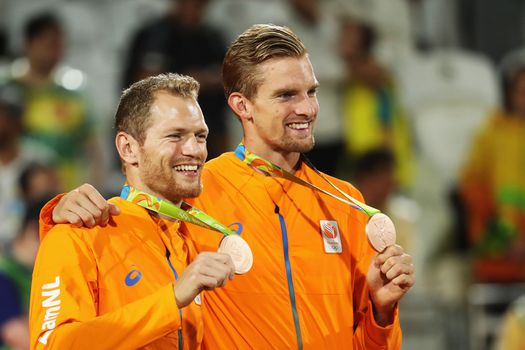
pixel 422 108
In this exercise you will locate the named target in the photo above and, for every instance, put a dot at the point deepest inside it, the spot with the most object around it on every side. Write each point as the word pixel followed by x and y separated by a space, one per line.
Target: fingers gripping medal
pixel 239 251
pixel 381 232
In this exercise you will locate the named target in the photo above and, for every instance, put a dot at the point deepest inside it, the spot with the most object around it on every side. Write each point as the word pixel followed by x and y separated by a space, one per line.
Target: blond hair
pixel 257 44
pixel 133 111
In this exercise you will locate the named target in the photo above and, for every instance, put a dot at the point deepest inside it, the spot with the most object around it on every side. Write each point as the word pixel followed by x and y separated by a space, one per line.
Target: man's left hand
pixel 390 276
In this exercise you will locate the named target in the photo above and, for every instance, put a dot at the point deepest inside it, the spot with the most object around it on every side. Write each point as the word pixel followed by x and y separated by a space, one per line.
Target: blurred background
pixel 422 107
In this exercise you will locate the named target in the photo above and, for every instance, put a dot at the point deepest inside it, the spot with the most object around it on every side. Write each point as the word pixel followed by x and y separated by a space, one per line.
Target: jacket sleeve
pixel 367 333
pixel 63 307
pixel 46 215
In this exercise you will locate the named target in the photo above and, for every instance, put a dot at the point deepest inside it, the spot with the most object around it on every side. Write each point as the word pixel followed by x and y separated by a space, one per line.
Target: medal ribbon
pixel 267 168
pixel 186 213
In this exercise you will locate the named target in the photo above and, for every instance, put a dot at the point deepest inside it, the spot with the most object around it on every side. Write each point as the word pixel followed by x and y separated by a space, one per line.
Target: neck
pixel 286 160
pixel 141 186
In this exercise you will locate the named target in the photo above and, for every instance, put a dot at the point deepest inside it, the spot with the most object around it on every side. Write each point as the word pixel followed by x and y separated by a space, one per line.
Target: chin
pixel 302 146
pixel 174 192
pixel 189 192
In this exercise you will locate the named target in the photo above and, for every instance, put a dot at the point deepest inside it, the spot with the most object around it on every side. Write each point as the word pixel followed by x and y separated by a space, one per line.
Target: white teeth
pixel 186 167
pixel 298 126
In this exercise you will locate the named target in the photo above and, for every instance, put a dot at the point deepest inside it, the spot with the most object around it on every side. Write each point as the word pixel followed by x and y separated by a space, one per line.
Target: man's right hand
pixel 84 206
pixel 208 271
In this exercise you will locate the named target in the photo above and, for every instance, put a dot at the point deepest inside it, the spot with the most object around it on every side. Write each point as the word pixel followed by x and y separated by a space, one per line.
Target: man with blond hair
pixel 130 284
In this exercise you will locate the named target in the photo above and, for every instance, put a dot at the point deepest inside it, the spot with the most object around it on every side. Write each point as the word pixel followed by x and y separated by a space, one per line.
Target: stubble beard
pixel 163 182
pixel 302 146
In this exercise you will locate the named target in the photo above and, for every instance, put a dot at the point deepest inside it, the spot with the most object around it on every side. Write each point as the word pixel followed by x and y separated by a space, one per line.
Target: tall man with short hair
pixel 129 284
pixel 316 283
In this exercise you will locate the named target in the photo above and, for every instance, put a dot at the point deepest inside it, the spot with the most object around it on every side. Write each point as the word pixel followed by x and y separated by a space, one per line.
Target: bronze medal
pixel 239 250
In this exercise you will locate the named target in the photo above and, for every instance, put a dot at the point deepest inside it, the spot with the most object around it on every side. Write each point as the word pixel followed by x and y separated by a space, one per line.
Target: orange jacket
pixel 111 287
pixel 295 292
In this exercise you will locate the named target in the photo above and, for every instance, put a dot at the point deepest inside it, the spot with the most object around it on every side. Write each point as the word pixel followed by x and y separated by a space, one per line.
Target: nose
pixel 195 148
pixel 307 106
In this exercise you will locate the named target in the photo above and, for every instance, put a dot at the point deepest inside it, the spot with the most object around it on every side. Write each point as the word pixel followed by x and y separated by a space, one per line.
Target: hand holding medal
pixel 387 282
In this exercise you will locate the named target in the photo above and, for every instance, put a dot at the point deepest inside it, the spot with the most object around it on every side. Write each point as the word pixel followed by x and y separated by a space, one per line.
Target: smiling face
pixel 281 115
pixel 170 160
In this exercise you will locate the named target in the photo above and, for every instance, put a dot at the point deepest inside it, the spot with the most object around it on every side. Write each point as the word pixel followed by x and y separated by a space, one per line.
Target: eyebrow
pixel 288 90
pixel 314 87
pixel 283 90
pixel 184 130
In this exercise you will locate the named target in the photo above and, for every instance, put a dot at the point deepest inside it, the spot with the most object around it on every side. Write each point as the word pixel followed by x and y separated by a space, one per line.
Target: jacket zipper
pixel 179 331
pixel 291 291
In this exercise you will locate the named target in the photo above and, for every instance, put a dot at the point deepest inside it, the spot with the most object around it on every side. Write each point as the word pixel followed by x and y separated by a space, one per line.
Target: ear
pixel 240 105
pixel 127 147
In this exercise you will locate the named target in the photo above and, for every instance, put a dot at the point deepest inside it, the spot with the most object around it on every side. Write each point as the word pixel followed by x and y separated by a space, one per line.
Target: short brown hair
pixel 257 44
pixel 133 111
